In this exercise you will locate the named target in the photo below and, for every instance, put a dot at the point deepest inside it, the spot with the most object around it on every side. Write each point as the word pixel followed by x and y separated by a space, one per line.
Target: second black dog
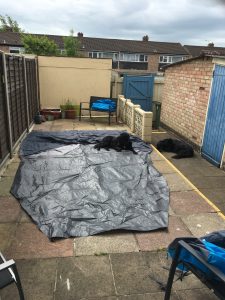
pixel 181 149
pixel 122 142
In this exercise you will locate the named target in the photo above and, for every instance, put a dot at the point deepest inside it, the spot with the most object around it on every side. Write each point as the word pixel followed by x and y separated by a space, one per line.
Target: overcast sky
pixel 194 22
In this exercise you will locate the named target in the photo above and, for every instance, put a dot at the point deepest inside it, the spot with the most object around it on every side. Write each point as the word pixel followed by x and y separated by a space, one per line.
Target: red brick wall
pixel 185 98
pixel 153 63
pixel 4 48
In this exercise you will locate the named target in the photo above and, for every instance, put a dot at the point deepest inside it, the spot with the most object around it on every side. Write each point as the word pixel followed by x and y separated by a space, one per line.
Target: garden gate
pixel 139 89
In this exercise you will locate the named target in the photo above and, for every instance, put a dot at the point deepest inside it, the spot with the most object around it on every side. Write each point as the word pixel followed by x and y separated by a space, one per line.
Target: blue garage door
pixel 139 89
pixel 214 137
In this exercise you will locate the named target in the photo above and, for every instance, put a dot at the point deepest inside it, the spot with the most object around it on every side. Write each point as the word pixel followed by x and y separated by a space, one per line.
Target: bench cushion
pixel 104 105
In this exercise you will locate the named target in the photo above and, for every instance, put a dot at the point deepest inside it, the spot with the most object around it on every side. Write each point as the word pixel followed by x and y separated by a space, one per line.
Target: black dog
pixel 181 149
pixel 122 142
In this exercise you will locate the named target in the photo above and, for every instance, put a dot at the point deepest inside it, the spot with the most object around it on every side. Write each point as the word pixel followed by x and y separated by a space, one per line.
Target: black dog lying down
pixel 122 142
pixel 181 149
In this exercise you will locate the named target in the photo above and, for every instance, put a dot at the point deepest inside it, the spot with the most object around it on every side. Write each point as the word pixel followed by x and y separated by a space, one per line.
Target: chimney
pixel 210 44
pixel 80 34
pixel 145 38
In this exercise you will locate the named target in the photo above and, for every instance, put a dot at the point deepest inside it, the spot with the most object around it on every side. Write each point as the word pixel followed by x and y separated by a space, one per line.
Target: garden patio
pixel 115 265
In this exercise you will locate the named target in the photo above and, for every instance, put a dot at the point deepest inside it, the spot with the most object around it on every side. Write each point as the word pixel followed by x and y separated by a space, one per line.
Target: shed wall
pixel 185 98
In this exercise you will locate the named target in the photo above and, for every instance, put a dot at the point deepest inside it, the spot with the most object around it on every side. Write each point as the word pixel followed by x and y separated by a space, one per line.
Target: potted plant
pixel 63 111
pixel 69 109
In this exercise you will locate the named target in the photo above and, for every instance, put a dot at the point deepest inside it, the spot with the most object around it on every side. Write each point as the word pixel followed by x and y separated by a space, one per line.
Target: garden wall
pixel 138 120
pixel 185 98
pixel 77 79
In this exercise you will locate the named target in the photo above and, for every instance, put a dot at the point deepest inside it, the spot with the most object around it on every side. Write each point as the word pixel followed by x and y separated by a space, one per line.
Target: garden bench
pixel 102 104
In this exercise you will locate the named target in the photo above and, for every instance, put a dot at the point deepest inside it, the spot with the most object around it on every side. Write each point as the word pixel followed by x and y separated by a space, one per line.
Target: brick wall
pixel 153 63
pixel 185 98
pixel 4 48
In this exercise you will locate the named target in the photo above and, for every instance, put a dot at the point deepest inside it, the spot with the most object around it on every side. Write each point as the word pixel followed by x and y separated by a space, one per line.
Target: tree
pixel 39 45
pixel 71 45
pixel 8 24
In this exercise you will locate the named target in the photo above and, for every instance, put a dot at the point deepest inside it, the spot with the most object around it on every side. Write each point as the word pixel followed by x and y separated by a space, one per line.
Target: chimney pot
pixel 80 34
pixel 145 38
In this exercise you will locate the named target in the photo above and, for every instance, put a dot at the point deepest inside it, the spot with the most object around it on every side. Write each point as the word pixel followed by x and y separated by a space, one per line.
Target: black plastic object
pixel 71 189
pixel 216 237
pixel 38 119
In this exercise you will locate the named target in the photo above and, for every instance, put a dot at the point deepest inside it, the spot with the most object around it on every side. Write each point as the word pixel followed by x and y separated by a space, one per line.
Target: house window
pixel 143 57
pixel 130 57
pixel 133 57
pixel 16 50
pixel 96 54
pixel 171 59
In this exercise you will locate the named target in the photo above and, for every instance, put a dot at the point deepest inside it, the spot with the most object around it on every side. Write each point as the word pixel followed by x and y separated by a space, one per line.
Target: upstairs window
pixel 171 59
pixel 17 50
pixel 129 57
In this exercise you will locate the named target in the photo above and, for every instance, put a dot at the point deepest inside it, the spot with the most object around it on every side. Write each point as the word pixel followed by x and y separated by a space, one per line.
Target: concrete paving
pixel 119 265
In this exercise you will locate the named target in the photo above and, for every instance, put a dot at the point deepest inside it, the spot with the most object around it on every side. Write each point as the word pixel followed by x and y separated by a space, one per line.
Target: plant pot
pixel 56 114
pixel 50 117
pixel 70 114
pixel 63 114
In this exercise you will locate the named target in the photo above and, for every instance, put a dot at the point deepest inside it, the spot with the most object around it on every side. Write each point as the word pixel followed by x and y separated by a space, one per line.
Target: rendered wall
pixel 62 78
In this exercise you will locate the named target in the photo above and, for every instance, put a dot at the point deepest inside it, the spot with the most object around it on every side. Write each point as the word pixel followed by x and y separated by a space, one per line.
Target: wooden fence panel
pixel 18 100
pixel 17 96
pixel 4 142
pixel 32 87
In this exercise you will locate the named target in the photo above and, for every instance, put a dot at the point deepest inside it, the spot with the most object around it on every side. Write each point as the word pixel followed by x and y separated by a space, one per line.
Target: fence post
pixel 38 84
pixel 7 105
pixel 26 93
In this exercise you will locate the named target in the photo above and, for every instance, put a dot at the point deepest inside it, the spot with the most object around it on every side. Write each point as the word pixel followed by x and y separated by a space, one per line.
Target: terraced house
pixel 143 55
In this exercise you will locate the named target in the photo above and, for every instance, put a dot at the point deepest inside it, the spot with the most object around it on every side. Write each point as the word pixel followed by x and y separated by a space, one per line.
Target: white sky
pixel 186 21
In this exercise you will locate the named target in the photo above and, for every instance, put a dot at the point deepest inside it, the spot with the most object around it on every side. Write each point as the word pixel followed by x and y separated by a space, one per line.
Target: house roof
pixel 131 46
pixel 195 51
pixel 103 44
pixel 201 56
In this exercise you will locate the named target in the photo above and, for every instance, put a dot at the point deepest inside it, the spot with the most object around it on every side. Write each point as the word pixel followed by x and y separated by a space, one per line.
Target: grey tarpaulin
pixel 71 189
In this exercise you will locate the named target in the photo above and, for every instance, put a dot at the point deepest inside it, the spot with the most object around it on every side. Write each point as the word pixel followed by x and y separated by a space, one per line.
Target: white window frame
pixel 129 57
pixel 168 59
pixel 19 49
pixel 116 56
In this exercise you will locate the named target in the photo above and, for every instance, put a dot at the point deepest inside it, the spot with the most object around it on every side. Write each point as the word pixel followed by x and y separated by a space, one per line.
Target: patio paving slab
pixel 10 210
pixel 30 242
pixel 163 167
pixel 131 273
pixel 160 239
pixel 196 294
pixel 5 185
pixel 24 217
pixel 188 202
pixel 147 296
pixel 155 156
pixel 202 224
pixel 37 278
pixel 7 231
pixel 177 183
pixel 105 243
pixel 208 182
pixel 84 277
pixel 218 196
pixel 11 170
